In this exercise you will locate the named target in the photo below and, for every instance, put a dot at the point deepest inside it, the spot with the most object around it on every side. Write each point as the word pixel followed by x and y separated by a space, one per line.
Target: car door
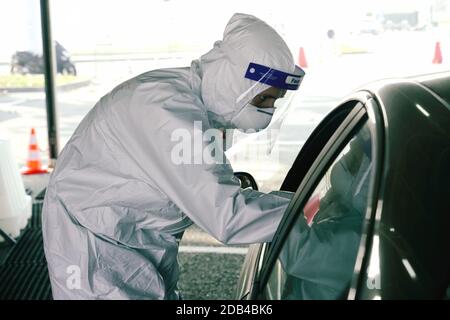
pixel 333 177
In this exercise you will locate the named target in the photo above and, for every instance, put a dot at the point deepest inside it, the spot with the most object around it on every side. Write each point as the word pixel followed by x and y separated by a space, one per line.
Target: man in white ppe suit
pixel 116 200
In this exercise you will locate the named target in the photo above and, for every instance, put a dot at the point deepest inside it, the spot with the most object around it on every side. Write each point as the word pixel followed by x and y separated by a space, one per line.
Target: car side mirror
pixel 247 180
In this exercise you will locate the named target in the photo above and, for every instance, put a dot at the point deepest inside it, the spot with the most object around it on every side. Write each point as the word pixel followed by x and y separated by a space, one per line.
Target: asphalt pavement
pixel 209 276
pixel 208 269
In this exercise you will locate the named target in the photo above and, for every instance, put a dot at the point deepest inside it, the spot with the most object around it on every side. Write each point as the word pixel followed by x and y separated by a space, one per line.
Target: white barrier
pixel 15 204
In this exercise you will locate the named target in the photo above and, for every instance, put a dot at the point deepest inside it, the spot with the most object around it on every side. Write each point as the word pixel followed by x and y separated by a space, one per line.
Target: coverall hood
pixel 224 89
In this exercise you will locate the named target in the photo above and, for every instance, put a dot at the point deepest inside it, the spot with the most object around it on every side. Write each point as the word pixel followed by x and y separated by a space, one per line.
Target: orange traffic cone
pixel 302 58
pixel 34 159
pixel 437 54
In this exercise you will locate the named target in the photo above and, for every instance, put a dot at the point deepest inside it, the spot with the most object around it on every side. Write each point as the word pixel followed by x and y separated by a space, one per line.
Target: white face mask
pixel 253 117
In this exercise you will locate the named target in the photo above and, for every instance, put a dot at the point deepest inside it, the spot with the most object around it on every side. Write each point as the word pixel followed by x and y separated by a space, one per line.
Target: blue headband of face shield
pixel 275 78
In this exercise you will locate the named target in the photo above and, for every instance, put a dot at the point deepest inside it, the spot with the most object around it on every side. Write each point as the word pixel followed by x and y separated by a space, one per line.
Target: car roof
pixel 429 94
pixel 439 83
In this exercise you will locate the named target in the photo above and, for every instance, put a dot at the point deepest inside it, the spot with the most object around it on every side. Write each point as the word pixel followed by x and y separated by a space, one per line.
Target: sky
pixel 93 25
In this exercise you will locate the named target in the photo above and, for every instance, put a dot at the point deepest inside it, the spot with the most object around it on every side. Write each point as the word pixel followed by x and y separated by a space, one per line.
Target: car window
pixel 315 143
pixel 269 154
pixel 318 255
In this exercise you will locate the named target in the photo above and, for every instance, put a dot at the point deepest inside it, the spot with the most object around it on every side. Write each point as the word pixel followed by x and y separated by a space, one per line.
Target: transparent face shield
pixel 282 108
pixel 263 78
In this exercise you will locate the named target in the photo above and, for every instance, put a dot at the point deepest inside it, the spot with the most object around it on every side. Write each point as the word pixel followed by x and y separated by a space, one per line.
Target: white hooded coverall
pixel 116 199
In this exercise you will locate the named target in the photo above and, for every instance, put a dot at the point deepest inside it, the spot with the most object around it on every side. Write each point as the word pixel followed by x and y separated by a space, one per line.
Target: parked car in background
pixel 27 62
pixel 370 218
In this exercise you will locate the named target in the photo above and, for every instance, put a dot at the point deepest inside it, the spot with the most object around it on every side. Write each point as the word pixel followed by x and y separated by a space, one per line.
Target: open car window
pixel 318 255
pixel 270 154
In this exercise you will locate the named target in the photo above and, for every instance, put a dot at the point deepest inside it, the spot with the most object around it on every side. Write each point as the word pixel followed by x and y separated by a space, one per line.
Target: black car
pixel 27 62
pixel 370 218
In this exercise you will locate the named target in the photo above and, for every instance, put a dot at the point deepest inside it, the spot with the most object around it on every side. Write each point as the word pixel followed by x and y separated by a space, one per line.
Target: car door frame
pixel 365 106
pixel 306 157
